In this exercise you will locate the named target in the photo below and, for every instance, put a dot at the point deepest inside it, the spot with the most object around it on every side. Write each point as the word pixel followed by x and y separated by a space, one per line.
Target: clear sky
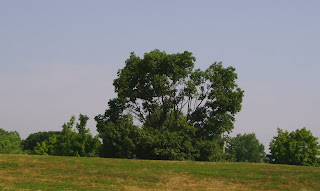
pixel 59 58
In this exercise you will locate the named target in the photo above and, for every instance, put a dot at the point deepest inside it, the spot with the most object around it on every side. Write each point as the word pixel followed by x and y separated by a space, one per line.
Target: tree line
pixel 183 114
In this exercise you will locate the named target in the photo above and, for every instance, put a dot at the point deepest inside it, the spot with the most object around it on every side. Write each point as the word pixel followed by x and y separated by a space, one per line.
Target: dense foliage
pixel 299 147
pixel 31 141
pixel 183 112
pixel 246 148
pixel 69 142
pixel 10 142
pixel 167 110
pixel 120 138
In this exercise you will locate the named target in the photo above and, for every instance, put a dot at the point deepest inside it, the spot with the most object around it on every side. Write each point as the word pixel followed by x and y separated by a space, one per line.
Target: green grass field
pixel 29 172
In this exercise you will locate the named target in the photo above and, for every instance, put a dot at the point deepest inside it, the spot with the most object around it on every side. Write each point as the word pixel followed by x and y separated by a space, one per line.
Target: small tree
pixel 31 141
pixel 10 142
pixel 299 147
pixel 246 148
pixel 69 142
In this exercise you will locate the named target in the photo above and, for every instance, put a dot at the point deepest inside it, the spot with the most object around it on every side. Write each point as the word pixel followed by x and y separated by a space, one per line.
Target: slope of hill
pixel 29 172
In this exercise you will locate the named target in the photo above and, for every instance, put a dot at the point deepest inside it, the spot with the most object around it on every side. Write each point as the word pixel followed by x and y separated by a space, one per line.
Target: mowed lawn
pixel 30 172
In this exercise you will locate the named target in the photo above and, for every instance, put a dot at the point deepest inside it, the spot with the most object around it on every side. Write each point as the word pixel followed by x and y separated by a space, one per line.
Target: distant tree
pixel 246 148
pixel 180 108
pixel 69 142
pixel 31 141
pixel 10 142
pixel 299 147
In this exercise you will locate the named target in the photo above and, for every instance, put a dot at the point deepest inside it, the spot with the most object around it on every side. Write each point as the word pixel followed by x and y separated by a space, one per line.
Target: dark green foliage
pixel 181 110
pixel 210 151
pixel 10 142
pixel 31 141
pixel 174 140
pixel 246 148
pixel 120 138
pixel 169 146
pixel 221 100
pixel 299 147
pixel 69 142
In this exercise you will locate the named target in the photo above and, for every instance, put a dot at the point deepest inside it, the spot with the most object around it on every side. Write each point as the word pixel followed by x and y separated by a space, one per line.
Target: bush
pixel 299 147
pixel 10 142
pixel 120 139
pixel 31 141
pixel 70 143
pixel 246 148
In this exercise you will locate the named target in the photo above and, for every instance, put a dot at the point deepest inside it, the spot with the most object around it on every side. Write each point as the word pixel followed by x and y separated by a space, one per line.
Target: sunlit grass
pixel 28 172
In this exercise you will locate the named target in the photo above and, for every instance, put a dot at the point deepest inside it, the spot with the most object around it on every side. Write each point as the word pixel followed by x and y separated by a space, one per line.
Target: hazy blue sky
pixel 58 58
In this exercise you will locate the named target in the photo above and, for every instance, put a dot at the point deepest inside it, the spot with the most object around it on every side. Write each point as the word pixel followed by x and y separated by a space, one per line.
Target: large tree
pixel 299 147
pixel 161 89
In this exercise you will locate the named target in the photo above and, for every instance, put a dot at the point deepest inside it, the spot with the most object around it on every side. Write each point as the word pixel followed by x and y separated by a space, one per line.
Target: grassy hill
pixel 27 172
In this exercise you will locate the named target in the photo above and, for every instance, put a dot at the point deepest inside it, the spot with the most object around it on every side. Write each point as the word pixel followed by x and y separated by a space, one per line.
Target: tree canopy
pixel 10 142
pixel 160 84
pixel 299 147
pixel 31 141
pixel 69 142
pixel 168 96
pixel 246 148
